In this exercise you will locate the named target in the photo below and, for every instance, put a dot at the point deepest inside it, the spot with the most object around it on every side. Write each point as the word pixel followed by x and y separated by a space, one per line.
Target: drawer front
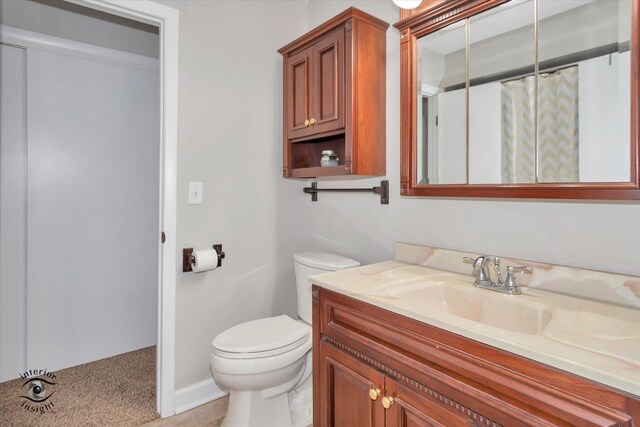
pixel 467 374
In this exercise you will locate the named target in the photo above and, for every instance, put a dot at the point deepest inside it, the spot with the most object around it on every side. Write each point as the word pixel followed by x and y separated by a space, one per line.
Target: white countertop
pixel 595 340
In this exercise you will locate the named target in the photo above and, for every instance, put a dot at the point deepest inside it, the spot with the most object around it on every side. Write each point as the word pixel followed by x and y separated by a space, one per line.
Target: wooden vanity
pixel 373 367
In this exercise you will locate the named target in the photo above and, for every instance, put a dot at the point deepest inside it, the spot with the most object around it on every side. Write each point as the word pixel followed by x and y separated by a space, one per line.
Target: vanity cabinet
pixel 346 383
pixel 378 368
pixel 354 396
pixel 334 98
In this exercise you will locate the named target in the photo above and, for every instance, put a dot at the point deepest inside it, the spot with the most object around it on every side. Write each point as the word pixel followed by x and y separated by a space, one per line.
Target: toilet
pixel 266 363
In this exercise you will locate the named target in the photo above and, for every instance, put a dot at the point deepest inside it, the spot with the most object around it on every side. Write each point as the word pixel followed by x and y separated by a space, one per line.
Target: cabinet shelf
pixel 318 172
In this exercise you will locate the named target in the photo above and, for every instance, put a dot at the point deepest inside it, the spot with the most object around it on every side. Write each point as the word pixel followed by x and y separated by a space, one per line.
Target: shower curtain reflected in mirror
pixel 557 139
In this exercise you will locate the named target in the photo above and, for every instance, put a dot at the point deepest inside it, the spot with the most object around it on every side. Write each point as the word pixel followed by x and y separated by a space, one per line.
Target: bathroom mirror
pixel 521 98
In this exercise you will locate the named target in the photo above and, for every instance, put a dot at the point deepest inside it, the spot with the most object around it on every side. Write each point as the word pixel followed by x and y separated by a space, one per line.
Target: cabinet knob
pixel 313 121
pixel 307 122
pixel 387 402
pixel 374 393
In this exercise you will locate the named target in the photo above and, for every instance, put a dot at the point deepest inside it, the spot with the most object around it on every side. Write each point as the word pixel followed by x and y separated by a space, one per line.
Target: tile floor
pixel 207 415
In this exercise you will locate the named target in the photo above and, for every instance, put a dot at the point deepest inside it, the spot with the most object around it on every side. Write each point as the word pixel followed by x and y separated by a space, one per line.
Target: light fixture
pixel 407 4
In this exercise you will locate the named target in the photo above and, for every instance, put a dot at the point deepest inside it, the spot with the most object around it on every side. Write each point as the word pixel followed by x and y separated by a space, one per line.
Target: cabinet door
pixel 328 76
pixel 298 94
pixel 344 391
pixel 410 408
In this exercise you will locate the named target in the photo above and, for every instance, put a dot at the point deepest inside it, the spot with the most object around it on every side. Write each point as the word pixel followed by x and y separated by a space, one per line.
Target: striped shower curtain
pixel 557 128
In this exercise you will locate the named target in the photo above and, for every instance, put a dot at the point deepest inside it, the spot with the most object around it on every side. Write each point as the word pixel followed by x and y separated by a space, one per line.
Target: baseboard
pixel 197 394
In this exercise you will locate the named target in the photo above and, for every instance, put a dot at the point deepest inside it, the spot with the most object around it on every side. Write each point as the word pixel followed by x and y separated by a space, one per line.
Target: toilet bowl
pixel 266 363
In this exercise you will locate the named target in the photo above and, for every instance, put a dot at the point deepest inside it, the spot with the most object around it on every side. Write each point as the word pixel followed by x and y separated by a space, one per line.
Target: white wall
pixel 604 124
pixel 230 130
pixel 452 137
pixel 70 21
pixel 80 255
pixel 93 198
pixel 601 23
pixel 485 133
pixel 79 266
pixel 13 210
pixel 601 235
pixel 230 138
pixel 604 104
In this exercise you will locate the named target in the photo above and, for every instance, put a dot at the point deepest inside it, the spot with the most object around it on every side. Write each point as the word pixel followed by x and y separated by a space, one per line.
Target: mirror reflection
pixel 502 54
pixel 442 106
pixel 490 113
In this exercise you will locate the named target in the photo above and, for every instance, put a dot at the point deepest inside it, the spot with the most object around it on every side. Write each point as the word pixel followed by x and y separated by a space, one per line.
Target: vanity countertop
pixel 595 340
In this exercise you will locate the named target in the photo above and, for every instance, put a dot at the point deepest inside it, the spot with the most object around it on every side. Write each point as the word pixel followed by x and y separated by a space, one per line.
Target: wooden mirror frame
pixel 433 15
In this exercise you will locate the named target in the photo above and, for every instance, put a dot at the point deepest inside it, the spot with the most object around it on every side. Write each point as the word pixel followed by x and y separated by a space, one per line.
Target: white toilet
pixel 266 363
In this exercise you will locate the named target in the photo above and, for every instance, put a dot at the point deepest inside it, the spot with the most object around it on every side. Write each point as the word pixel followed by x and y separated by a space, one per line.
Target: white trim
pixel 197 394
pixel 39 41
pixel 146 11
pixel 167 19
pixel 429 90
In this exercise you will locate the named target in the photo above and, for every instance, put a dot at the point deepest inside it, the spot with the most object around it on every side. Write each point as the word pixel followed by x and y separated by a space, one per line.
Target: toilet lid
pixel 325 261
pixel 262 335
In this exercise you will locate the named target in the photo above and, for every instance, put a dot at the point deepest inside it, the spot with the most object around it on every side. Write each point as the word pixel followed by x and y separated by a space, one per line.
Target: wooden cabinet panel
pixel 298 81
pixel 344 387
pixel 413 409
pixel 315 88
pixel 328 78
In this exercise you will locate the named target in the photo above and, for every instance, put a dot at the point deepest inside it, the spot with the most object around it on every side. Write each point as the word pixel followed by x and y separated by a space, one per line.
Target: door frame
pixel 167 20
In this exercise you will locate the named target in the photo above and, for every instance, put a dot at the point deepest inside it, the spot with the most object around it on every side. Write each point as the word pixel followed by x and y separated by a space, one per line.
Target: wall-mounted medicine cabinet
pixel 334 99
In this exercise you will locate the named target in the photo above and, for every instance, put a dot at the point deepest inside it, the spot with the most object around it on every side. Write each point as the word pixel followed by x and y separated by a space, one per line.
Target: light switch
pixel 195 193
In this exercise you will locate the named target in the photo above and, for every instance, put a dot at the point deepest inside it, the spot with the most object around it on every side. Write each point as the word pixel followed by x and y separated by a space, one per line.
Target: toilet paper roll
pixel 204 260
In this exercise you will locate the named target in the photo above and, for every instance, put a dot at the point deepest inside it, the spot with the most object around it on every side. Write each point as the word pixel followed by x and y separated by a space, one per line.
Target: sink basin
pixel 483 307
pixel 620 324
pixel 608 330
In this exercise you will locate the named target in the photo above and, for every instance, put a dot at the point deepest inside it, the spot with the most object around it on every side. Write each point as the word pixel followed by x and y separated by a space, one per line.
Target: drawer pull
pixel 387 402
pixel 374 393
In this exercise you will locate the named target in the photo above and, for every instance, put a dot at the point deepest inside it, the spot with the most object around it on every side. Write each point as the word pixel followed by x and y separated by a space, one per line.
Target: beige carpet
pixel 117 391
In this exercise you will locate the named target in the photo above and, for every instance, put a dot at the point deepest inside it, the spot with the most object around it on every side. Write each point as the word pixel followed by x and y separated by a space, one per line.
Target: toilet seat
pixel 259 338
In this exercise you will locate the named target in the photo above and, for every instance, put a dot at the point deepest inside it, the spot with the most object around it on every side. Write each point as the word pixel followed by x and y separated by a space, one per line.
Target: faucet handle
pixel 468 260
pixel 521 269
pixel 478 265
pixel 511 280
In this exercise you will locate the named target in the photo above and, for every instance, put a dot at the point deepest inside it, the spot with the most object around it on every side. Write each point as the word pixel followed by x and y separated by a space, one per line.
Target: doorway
pixel 77 220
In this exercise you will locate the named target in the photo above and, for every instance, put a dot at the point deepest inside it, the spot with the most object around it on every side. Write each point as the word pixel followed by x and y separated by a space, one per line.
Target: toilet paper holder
pixel 187 257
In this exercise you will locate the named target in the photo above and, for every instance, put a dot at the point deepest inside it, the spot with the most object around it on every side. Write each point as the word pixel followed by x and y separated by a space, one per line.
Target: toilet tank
pixel 307 264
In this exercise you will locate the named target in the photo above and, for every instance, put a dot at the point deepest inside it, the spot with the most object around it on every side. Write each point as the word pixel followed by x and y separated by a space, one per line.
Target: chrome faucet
pixel 489 276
